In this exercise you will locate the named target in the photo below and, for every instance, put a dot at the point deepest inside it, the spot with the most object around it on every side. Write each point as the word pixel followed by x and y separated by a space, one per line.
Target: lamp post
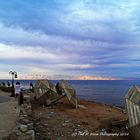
pixel 14 75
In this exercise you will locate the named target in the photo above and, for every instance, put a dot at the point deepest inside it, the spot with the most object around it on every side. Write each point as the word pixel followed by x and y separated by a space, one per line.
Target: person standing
pixel 58 88
pixel 31 87
pixel 20 98
pixel 8 84
pixel 17 91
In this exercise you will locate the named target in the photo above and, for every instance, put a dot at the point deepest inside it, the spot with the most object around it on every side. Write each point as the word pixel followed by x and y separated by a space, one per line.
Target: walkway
pixel 9 112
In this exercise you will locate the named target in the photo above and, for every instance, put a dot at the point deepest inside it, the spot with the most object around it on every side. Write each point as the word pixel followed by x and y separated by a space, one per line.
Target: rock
pixel 17 126
pixel 17 132
pixel 22 111
pixel 48 117
pixel 58 138
pixel 31 133
pixel 64 124
pixel 23 128
pixel 29 107
pixel 45 124
pixel 29 113
pixel 30 126
pixel 25 137
pixel 37 123
pixel 25 121
pixel 25 105
pixel 38 134
pixel 68 132
pixel 25 115
pixel 48 129
pixel 51 114
pixel 67 121
pixel 20 118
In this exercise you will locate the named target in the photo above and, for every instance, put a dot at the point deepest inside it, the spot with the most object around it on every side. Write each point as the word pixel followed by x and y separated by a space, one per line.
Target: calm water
pixel 108 92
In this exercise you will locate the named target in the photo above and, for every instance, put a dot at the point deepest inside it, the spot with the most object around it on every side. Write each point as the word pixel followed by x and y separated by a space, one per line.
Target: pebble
pixel 46 125
pixel 25 115
pixel 38 134
pixel 67 121
pixel 48 117
pixel 58 138
pixel 23 128
pixel 64 124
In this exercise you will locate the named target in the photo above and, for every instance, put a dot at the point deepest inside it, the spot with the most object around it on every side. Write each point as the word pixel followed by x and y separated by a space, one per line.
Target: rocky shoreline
pixel 62 122
pixel 24 129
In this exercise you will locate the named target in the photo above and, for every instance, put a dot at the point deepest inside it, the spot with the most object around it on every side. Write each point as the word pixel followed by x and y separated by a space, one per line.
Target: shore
pixel 62 121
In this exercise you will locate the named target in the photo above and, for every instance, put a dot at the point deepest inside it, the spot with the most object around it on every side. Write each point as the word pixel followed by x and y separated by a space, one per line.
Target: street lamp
pixel 14 75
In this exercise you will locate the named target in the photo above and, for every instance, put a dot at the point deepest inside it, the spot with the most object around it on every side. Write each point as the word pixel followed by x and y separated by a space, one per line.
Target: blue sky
pixel 70 39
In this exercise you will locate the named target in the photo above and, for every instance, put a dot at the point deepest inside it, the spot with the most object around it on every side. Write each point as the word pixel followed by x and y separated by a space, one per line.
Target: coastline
pixel 110 92
pixel 63 121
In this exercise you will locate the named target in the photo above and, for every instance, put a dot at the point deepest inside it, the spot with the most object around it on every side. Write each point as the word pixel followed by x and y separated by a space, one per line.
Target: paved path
pixel 9 112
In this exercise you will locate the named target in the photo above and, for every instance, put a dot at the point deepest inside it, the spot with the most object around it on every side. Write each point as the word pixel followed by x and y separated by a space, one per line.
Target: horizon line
pixel 78 79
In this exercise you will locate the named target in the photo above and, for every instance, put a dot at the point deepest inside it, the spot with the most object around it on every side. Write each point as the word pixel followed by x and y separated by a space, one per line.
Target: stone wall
pixel 24 129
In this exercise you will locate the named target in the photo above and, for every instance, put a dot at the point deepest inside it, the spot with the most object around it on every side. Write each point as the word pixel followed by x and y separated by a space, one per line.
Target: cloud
pixel 92 20
pixel 45 53
pixel 95 78
pixel 15 52
pixel 83 37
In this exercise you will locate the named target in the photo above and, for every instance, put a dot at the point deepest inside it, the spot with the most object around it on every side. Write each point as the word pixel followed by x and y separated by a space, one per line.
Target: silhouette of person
pixel 8 84
pixel 31 87
pixel 58 89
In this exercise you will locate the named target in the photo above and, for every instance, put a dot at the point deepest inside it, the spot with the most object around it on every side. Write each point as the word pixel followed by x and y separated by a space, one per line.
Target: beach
pixel 90 120
pixel 62 121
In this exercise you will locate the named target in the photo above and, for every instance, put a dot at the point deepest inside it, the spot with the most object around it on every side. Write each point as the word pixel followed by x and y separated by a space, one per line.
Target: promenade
pixel 9 111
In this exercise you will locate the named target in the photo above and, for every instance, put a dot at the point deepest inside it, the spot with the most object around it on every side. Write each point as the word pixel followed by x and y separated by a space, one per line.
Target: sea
pixel 111 92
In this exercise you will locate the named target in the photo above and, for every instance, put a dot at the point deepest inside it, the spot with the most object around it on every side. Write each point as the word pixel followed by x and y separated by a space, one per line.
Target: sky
pixel 70 39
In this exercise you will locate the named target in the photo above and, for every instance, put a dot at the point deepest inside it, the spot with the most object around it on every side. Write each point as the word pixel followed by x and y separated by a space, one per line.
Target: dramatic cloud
pixel 72 38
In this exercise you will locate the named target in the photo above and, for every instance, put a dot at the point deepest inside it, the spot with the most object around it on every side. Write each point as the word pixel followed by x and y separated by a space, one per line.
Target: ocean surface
pixel 110 92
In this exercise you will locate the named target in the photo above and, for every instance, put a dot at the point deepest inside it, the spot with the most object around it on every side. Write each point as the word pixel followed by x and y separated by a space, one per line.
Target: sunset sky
pixel 72 39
